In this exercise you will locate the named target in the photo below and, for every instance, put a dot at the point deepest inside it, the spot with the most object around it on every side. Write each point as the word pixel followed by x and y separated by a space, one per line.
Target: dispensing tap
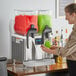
pixel 45 33
pixel 31 32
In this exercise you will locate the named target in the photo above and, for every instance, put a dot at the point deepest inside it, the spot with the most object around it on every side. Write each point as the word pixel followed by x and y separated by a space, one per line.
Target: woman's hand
pixel 51 50
pixel 53 47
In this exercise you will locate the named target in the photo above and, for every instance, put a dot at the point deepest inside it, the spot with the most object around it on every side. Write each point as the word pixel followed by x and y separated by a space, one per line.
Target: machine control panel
pixel 38 41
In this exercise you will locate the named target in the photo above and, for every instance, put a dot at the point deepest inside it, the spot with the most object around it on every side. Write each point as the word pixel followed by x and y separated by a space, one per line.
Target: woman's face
pixel 70 17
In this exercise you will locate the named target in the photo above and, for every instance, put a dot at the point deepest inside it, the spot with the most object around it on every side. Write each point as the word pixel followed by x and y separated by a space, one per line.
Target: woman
pixel 69 50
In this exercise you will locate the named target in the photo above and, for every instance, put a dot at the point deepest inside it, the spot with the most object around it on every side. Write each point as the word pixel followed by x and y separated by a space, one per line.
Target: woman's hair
pixel 71 8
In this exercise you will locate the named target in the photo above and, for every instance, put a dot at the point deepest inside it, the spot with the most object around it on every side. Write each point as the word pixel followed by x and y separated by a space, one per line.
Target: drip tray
pixel 39 62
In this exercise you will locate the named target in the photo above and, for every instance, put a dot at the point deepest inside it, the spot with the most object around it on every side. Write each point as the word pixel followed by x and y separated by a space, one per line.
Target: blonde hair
pixel 71 8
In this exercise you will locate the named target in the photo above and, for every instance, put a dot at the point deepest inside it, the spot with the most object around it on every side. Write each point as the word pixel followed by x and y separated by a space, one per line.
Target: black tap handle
pixel 32 35
pixel 31 32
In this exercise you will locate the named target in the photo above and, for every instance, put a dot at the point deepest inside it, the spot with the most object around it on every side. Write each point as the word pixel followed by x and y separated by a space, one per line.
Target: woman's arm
pixel 51 50
pixel 63 51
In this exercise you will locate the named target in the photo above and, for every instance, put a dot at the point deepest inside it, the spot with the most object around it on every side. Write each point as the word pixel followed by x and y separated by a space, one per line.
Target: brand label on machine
pixel 18 40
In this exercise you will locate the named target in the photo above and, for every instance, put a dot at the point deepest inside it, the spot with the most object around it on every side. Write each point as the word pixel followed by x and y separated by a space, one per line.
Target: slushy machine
pixel 31 30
